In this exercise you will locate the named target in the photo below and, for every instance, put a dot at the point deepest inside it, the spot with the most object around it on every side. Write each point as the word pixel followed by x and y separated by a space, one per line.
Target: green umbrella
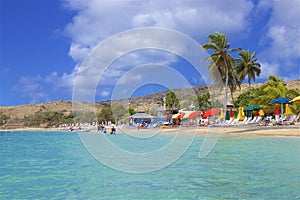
pixel 252 107
pixel 227 117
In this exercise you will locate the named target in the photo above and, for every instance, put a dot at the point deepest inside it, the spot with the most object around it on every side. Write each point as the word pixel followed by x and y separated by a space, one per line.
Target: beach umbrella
pixel 276 111
pixel 288 109
pixel 252 107
pixel 296 99
pixel 261 113
pixel 177 116
pixel 194 114
pixel 231 113
pixel 240 113
pixel 204 116
pixel 212 112
pixel 221 114
pixel 227 117
pixel 282 101
pixel 168 117
pixel 187 114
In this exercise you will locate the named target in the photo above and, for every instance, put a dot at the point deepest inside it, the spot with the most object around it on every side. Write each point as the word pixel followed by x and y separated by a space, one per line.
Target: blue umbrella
pixel 281 100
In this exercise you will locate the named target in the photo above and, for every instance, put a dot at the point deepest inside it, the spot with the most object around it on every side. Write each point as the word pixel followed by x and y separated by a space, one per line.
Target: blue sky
pixel 44 43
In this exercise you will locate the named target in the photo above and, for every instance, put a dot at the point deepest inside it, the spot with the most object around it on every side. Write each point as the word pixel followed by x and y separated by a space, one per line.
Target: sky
pixel 93 50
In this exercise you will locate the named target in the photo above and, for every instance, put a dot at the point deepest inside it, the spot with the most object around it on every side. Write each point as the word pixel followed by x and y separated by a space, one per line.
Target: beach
pixel 279 130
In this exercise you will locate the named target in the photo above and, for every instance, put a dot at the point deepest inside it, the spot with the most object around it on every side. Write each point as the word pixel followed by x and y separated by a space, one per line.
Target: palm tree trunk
pixel 231 93
pixel 226 87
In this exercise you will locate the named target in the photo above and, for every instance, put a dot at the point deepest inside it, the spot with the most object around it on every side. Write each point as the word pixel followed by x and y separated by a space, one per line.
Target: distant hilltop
pixel 52 113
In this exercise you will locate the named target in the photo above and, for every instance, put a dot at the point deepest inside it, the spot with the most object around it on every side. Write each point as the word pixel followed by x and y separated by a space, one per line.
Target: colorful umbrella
pixel 227 117
pixel 280 100
pixel 221 114
pixel 231 113
pixel 194 115
pixel 168 117
pixel 252 107
pixel 287 109
pixel 204 116
pixel 276 112
pixel 177 116
pixel 296 99
pixel 261 113
pixel 212 112
pixel 240 113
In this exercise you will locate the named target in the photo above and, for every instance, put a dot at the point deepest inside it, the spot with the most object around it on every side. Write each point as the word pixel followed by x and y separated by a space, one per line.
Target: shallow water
pixel 56 165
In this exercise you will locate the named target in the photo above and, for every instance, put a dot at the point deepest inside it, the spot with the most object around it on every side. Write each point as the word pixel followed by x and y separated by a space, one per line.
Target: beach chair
pixel 291 120
pixel 257 121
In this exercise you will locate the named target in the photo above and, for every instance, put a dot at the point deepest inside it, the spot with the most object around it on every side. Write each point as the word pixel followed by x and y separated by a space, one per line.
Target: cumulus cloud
pixel 283 37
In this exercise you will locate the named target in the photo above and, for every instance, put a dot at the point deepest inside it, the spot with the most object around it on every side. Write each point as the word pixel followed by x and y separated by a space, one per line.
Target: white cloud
pixel 96 20
pixel 283 34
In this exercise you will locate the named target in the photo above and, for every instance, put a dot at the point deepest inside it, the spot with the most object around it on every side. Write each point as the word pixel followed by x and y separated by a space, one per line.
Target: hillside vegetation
pixel 54 113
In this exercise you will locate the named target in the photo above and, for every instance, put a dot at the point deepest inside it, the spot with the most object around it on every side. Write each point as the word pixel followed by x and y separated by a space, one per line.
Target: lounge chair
pixel 291 120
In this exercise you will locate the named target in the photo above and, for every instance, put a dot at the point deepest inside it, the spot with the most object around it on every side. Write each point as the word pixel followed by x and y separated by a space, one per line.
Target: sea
pixel 58 165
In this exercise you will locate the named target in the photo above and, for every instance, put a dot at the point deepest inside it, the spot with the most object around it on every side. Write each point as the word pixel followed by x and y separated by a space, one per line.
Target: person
pixel 113 130
pixel 104 129
pixel 138 126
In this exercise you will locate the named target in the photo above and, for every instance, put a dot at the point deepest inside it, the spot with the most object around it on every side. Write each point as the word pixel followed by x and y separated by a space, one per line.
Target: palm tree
pixel 233 83
pixel 220 60
pixel 247 65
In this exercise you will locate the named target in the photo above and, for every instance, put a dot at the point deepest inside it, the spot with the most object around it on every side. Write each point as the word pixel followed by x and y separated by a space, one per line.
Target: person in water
pixel 113 130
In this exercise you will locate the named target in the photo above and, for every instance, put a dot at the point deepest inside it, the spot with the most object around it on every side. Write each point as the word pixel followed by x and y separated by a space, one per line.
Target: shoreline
pixel 292 130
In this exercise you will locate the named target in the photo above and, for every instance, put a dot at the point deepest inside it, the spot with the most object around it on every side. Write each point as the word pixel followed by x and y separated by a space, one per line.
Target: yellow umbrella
pixel 287 109
pixel 296 99
pixel 222 114
pixel 261 113
pixel 241 113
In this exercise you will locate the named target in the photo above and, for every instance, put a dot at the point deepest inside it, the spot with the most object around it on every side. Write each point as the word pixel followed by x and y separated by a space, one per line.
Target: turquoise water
pixel 56 165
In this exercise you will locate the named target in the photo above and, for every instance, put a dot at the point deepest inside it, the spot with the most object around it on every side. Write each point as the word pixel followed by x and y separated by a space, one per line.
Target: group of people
pixel 102 128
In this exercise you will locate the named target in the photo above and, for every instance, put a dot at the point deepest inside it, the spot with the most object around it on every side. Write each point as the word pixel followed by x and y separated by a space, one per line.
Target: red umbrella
pixel 276 112
pixel 231 113
pixel 204 116
pixel 213 112
pixel 180 116
pixel 167 116
pixel 194 114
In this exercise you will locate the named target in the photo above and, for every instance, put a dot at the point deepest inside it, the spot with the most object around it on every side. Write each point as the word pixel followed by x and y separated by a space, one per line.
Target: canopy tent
pixel 158 120
pixel 141 115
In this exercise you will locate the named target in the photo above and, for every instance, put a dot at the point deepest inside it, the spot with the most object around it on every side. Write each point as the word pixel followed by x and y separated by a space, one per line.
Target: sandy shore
pixel 293 130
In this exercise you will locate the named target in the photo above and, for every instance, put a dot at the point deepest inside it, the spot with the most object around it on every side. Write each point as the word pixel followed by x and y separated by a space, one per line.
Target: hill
pixel 53 113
